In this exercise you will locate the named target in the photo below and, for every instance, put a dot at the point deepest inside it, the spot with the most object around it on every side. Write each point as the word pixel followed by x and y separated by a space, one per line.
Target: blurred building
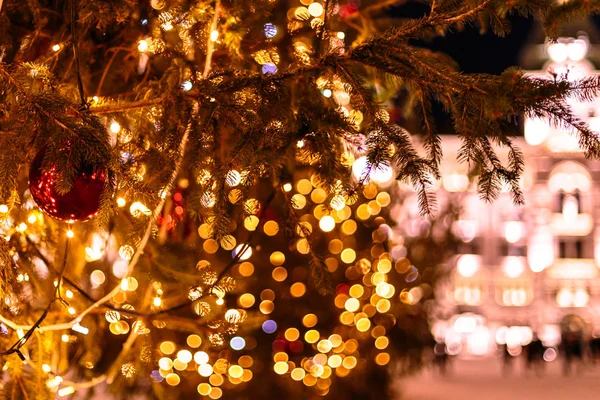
pixel 534 269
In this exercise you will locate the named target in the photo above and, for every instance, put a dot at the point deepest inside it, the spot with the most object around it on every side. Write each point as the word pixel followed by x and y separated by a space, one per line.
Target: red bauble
pixel 81 203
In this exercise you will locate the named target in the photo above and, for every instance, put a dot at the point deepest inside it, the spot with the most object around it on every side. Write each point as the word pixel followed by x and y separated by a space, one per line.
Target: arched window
pixel 568 182
pixel 569 177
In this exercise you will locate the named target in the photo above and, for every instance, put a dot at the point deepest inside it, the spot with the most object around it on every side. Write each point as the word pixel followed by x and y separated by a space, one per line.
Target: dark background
pixel 476 52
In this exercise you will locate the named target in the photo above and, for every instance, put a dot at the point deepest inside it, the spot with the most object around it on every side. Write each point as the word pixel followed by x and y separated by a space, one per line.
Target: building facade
pixel 531 270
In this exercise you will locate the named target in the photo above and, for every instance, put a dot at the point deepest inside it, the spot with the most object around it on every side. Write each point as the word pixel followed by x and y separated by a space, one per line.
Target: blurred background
pixel 517 304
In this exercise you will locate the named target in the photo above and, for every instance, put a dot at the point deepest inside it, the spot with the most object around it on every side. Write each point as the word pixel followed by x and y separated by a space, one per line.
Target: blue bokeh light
pixel 269 326
pixel 237 343
pixel 270 30
pixel 268 69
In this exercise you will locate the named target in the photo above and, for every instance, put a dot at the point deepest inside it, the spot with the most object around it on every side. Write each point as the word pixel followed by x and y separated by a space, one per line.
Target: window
pixel 570 248
pixel 507 249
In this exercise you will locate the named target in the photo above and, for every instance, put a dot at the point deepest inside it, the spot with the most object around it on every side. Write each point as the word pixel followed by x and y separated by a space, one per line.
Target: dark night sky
pixel 476 52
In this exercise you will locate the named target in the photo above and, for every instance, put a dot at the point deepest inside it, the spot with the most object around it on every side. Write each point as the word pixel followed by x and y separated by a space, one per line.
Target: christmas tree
pixel 193 194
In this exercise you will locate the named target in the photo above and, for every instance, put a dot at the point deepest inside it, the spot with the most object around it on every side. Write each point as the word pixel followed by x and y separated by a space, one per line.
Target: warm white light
pixel 465 229
pixel 120 268
pixel 138 209
pixel 382 174
pixel 157 302
pixel 97 278
pixel 3 208
pixel 214 36
pixel 81 329
pixel 70 234
pixel 455 182
pixel 233 178
pixel 327 93
pixel 186 86
pixel 315 9
pixel 570 209
pixel 564 297
pixel 143 46
pixel 577 50
pixel 121 202
pixel 56 47
pixel 550 354
pixel 536 131
pixel 245 255
pixel 467 295
pixel 66 391
pixel 327 223
pixel 467 265
pixel 540 252
pixel 513 266
pixel 341 35
pixel 581 298
pixel 465 324
pixel 558 52
pixel 184 356
pixel 478 342
pixel 115 127
pixel 513 231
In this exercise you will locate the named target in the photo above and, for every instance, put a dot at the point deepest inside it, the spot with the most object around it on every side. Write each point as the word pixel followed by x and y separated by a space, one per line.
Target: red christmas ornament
pixel 81 203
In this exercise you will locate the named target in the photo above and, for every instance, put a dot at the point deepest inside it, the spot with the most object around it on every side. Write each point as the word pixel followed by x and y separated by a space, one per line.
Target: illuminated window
pixel 569 178
pixel 517 295
pixel 572 297
pixel 569 204
pixel 514 285
pixel 468 283
pixel 470 295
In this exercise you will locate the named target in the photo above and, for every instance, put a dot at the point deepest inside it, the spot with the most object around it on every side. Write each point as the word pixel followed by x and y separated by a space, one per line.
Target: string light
pixel 67 390
pixel 115 127
pixel 314 205
pixel 143 46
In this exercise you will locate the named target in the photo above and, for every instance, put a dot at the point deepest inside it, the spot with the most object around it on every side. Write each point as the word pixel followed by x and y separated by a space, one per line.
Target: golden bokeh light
pixel 310 320
pixel 246 269
pixel 382 342
pixel 167 347
pixel 312 336
pixel 292 334
pixel 266 307
pixel 382 358
pixel 327 223
pixel 281 367
pixel 279 274
pixel 336 246
pixel 246 300
pixel 348 256
pixel 271 228
pixel 277 258
pixel 363 325
pixel 298 289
